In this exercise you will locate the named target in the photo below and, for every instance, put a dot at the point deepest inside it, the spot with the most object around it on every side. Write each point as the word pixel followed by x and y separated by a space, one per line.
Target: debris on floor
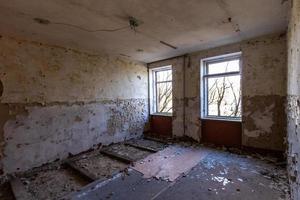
pixel 278 177
pixel 19 190
pixel 223 175
pixel 149 145
pixel 6 192
pixel 170 163
pixel 53 184
pixel 125 152
pixel 132 187
pixel 218 175
pixel 98 165
pixel 183 170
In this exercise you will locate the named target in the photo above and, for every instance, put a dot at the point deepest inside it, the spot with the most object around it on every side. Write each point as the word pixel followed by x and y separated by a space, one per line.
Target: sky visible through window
pixel 164 91
pixel 224 91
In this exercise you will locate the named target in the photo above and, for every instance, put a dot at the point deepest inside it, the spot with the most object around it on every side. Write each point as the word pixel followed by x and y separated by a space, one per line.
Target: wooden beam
pixel 141 147
pixel 82 171
pixel 117 156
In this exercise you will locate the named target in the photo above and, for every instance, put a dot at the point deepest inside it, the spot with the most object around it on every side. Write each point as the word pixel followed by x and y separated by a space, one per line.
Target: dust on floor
pixel 219 175
pixel 223 175
pixel 131 186
pixel 99 165
pixel 147 144
pixel 126 151
pixel 53 184
pixel 170 163
pixel 59 179
pixel 6 192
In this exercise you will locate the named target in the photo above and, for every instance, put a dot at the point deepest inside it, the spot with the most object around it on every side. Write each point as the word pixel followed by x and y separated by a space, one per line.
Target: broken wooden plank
pixel 114 155
pixel 171 162
pixel 141 147
pixel 82 171
pixel 19 190
pixel 93 186
pixel 155 139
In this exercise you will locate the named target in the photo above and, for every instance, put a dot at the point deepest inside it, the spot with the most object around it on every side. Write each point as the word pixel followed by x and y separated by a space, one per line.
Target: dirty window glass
pixel 222 88
pixel 165 75
pixel 163 90
pixel 223 67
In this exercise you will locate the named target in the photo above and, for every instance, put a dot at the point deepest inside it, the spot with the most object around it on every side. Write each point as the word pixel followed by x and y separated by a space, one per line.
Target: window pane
pixel 164 97
pixel 224 96
pixel 222 67
pixel 165 75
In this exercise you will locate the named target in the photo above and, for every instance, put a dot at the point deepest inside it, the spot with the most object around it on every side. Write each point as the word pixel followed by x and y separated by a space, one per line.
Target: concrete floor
pixel 221 175
pixel 218 174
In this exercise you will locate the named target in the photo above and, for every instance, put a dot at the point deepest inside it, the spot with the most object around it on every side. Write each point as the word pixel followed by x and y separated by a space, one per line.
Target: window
pixel 221 91
pixel 161 90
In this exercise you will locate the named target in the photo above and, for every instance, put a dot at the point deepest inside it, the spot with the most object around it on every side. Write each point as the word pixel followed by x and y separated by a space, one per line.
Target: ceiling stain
pixel 191 26
pixel 41 21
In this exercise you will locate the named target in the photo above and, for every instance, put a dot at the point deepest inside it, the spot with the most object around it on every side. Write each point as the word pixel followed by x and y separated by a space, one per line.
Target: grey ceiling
pixel 189 25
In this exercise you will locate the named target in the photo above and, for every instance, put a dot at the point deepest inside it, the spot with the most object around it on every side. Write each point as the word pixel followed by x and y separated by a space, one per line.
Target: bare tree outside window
pixel 222 89
pixel 163 87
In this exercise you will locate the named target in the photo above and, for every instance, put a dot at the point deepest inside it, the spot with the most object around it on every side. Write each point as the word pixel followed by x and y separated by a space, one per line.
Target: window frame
pixel 154 89
pixel 204 83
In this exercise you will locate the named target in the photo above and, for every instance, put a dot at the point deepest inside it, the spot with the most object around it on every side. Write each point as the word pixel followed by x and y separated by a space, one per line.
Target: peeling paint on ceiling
pixel 187 25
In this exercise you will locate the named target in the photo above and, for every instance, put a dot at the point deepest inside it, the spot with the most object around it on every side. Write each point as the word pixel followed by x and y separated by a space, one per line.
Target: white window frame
pixel 153 89
pixel 203 83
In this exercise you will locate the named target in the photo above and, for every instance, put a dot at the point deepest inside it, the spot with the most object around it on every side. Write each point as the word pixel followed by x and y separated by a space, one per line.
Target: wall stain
pixel 264 121
pixel 46 97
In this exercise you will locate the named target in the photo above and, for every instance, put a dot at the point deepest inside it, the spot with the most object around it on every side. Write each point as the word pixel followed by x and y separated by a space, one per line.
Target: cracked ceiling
pixel 165 28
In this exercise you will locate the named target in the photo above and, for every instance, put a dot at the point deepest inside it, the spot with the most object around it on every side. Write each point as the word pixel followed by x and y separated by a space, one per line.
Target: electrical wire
pixel 46 22
pixel 154 38
pixel 133 24
pixel 91 31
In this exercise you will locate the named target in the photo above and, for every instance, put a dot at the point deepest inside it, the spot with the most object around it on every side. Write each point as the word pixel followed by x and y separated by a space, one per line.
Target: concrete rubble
pixel 222 168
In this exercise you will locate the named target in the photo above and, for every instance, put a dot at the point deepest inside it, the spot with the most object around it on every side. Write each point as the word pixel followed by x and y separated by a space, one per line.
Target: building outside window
pixel 221 87
pixel 161 90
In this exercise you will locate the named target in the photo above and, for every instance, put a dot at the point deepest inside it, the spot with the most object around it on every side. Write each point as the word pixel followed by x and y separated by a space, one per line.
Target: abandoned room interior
pixel 150 100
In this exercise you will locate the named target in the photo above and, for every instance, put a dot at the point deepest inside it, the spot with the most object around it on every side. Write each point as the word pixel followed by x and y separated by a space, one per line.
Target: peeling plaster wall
pixel 293 100
pixel 263 90
pixel 58 101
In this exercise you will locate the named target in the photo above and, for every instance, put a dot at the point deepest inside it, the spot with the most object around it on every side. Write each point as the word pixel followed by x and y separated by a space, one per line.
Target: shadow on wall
pixel 1 132
pixel 1 88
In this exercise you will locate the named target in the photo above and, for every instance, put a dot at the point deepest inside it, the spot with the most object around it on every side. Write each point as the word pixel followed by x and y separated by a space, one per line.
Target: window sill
pixel 221 119
pixel 162 114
